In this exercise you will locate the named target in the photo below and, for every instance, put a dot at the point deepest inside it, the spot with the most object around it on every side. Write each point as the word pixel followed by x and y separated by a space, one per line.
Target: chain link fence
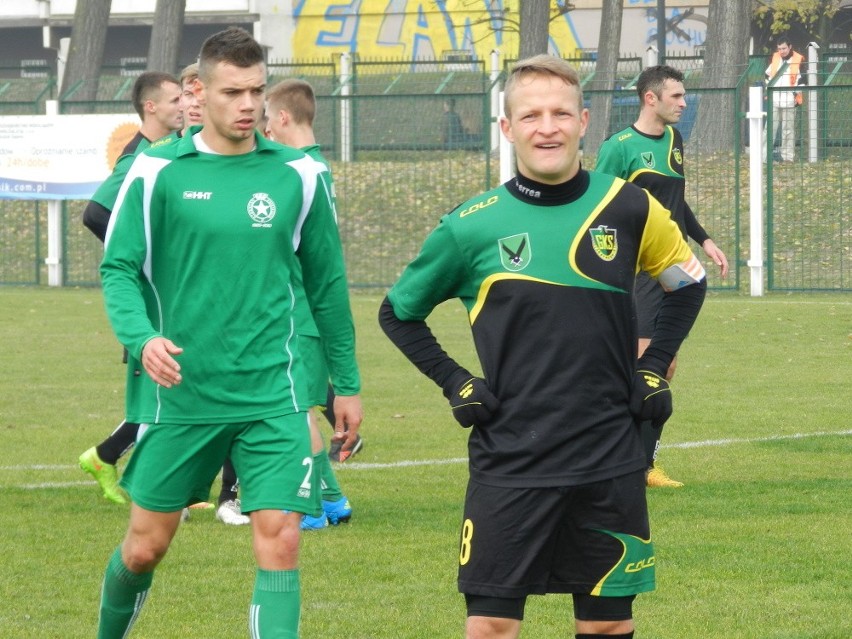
pixel 382 125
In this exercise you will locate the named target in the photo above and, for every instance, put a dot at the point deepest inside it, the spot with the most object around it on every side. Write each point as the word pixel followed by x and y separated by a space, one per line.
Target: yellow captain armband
pixel 682 274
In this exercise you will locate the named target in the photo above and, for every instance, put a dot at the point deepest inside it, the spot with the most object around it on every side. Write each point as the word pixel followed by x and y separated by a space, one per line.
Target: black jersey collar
pixel 528 190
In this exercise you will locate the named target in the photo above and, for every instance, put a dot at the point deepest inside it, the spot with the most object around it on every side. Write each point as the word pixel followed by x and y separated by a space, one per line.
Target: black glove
pixel 472 403
pixel 651 398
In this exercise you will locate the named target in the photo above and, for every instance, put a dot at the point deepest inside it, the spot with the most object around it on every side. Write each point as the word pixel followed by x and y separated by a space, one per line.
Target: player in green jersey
pixel 290 110
pixel 197 276
pixel 545 266
pixel 650 154
pixel 156 98
pixel 291 107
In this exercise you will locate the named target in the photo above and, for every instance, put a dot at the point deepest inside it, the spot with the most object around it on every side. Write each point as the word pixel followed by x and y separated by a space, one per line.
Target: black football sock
pixel 230 483
pixel 328 409
pixel 650 440
pixel 121 440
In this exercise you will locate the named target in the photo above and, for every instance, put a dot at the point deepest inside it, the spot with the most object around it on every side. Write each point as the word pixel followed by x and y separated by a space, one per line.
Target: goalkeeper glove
pixel 651 398
pixel 472 403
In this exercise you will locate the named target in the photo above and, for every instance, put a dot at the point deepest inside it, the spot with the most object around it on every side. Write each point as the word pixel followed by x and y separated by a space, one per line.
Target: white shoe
pixel 184 514
pixel 229 513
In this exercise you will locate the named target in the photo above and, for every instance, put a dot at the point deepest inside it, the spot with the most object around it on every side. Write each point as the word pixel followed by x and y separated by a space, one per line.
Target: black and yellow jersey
pixel 546 278
pixel 655 163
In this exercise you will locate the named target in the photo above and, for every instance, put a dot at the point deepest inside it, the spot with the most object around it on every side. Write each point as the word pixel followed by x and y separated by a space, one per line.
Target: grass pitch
pixel 754 547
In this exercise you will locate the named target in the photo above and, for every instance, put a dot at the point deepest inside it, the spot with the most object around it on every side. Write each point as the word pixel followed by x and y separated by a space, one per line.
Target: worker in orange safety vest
pixel 787 69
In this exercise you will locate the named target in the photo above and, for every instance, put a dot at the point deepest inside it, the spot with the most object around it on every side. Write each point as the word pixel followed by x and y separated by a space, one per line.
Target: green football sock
pixel 328 481
pixel 275 604
pixel 122 597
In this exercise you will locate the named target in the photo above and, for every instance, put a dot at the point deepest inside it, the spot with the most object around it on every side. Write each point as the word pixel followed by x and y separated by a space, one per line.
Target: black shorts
pixel 647 298
pixel 592 539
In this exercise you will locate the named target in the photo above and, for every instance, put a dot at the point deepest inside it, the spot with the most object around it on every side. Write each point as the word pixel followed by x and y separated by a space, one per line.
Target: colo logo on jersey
pixel 515 252
pixel 648 159
pixel 605 242
pixel 678 157
pixel 261 210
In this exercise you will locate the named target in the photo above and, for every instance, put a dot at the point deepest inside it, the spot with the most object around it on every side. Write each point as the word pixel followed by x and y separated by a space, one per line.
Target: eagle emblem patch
pixel 515 251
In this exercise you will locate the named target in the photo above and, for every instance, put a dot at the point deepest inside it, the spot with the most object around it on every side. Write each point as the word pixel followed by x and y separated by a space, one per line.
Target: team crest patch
pixel 515 252
pixel 678 157
pixel 261 210
pixel 648 159
pixel 604 242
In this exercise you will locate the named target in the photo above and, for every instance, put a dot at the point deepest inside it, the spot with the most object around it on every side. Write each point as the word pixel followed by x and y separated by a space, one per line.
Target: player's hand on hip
pixel 159 363
pixel 650 398
pixel 473 403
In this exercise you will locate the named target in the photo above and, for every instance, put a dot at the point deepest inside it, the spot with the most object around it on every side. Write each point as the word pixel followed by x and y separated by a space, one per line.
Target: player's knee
pixel 142 556
pixel 608 609
pixel 499 607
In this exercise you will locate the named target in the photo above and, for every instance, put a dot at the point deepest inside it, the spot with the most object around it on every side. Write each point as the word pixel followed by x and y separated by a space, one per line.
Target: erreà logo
pixel 261 210
pixel 648 159
pixel 515 251
pixel 604 242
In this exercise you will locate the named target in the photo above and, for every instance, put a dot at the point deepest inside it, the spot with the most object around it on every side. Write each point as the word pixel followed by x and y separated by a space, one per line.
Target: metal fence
pixel 398 175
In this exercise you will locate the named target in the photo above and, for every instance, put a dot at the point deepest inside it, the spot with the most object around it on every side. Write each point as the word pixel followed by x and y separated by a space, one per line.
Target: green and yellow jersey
pixel 540 270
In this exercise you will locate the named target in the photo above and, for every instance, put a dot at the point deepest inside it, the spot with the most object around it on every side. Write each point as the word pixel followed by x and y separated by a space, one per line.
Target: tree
pixel 603 81
pixel 86 50
pixel 815 17
pixel 725 60
pixel 533 28
pixel 166 35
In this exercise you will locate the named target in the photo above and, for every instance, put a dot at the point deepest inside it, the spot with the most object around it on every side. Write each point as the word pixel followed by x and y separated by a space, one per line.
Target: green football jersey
pixel 202 249
pixel 107 192
pixel 305 324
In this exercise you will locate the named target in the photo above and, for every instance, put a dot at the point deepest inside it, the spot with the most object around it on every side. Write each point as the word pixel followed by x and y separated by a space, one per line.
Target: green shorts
pixel 313 356
pixel 173 465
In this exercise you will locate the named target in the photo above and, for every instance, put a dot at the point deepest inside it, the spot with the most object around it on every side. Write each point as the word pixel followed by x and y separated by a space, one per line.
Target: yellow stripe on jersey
pixel 662 244
pixel 617 185
pixel 489 281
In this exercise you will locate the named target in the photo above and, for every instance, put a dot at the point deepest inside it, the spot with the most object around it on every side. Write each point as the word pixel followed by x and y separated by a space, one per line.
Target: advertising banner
pixel 60 157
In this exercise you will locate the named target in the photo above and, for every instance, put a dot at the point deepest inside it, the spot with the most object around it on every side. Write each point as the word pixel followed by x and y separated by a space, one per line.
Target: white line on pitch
pixel 443 462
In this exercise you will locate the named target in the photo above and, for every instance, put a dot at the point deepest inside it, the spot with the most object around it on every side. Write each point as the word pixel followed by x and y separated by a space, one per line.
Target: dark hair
pixel 654 78
pixel 783 39
pixel 296 97
pixel 234 46
pixel 147 86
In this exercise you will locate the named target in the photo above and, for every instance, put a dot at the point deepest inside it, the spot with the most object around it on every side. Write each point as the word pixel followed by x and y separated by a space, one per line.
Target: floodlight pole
pixel 756 116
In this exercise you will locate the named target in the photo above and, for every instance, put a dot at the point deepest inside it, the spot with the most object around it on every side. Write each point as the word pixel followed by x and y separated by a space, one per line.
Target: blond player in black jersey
pixel 544 265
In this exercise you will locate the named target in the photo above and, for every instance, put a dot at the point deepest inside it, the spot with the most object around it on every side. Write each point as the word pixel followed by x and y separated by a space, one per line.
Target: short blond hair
pixel 543 64
pixel 296 97
pixel 189 73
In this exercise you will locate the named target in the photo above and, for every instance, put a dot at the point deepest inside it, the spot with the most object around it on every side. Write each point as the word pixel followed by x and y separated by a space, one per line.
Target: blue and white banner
pixel 60 157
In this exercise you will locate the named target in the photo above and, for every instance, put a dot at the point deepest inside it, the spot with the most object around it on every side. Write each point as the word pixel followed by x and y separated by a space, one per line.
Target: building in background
pixel 321 29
